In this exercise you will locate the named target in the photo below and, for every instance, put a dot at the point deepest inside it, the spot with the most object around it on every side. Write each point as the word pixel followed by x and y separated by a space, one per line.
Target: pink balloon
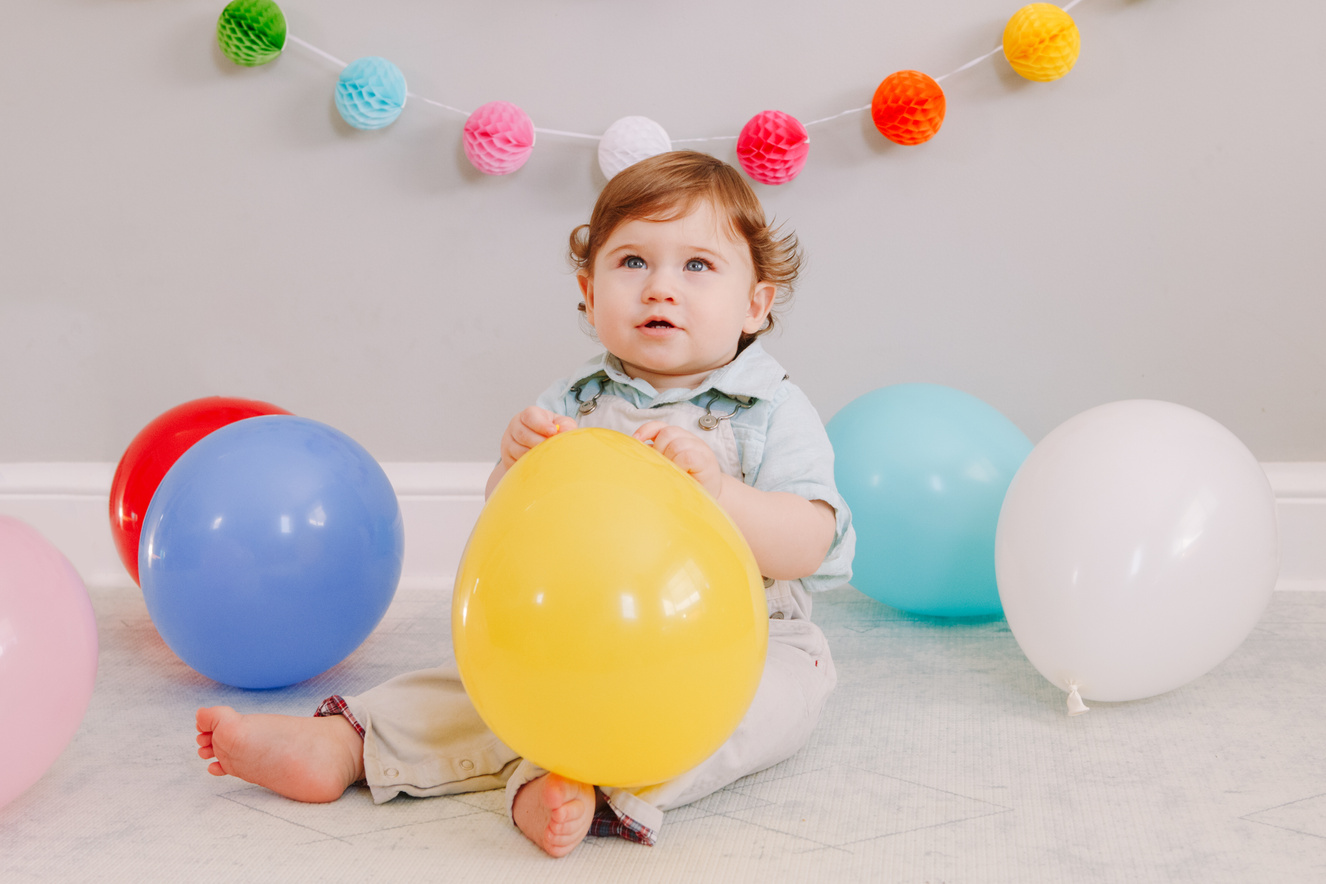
pixel 499 137
pixel 48 655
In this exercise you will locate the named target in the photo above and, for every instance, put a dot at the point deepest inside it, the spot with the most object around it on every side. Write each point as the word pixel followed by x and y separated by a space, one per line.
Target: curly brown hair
pixel 667 186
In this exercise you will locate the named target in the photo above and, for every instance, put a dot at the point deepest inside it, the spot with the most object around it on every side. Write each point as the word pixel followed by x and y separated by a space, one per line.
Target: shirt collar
pixel 754 374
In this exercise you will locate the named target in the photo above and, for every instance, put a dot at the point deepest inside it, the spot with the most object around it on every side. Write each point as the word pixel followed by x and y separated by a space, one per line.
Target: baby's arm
pixel 526 430
pixel 789 534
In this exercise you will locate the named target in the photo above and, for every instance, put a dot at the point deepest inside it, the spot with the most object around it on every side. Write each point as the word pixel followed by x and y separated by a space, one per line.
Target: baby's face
pixel 671 299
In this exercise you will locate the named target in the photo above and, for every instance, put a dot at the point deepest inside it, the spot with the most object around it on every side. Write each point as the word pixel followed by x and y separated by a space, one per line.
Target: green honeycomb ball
pixel 251 32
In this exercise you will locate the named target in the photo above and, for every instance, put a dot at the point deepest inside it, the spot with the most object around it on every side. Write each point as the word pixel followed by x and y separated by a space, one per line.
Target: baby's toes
pixel 568 819
pixel 207 719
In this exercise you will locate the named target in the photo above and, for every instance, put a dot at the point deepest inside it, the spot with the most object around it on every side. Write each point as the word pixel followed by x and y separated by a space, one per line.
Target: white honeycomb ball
pixel 630 140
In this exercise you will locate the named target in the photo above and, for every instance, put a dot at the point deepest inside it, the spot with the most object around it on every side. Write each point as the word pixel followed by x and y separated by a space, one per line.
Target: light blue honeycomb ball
pixel 370 93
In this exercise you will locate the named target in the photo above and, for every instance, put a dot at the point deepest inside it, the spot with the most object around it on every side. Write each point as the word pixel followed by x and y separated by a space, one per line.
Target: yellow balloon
pixel 609 619
pixel 1041 42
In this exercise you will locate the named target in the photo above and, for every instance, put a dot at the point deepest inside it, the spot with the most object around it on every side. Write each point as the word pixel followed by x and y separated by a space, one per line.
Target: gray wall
pixel 175 227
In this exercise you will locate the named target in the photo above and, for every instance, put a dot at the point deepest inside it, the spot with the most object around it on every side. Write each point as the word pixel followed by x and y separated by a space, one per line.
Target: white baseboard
pixel 68 503
pixel 1300 501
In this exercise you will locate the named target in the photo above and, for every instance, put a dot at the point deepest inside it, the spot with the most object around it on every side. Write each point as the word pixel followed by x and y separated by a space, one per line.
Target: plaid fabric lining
pixel 607 824
pixel 335 705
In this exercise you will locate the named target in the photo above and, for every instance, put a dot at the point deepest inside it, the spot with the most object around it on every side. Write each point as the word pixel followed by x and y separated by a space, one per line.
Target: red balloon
pixel 154 451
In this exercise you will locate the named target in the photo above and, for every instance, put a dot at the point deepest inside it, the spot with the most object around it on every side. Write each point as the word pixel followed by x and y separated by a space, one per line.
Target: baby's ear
pixel 587 292
pixel 761 302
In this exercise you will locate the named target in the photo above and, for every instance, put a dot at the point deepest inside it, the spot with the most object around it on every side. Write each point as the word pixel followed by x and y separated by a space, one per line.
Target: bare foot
pixel 307 759
pixel 554 812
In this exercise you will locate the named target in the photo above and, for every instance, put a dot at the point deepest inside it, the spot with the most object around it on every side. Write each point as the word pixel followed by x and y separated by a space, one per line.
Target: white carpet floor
pixel 943 756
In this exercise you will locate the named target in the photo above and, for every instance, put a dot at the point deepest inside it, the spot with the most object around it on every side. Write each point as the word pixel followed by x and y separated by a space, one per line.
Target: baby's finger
pixel 526 437
pixel 521 438
pixel 686 457
pixel 675 444
pixel 649 432
pixel 539 421
pixel 512 452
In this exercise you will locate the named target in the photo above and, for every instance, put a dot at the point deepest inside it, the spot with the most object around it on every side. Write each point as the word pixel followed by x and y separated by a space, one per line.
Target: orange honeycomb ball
pixel 908 107
pixel 1041 42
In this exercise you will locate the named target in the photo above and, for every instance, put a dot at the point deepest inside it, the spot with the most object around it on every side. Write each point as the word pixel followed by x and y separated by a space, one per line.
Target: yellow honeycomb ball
pixel 1041 42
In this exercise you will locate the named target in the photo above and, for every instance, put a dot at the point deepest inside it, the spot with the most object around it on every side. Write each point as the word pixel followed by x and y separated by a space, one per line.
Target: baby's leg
pixel 307 759
pixel 798 678
pixel 423 737
pixel 554 812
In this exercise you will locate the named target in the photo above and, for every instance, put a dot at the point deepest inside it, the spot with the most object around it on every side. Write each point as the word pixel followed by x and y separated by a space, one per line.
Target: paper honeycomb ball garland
pixel 1041 42
pixel 251 32
pixel 370 93
pixel 630 140
pixel 499 137
pixel 908 107
pixel 772 147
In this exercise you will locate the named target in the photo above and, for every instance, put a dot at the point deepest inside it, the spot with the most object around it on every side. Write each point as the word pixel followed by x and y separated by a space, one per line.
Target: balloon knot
pixel 1075 704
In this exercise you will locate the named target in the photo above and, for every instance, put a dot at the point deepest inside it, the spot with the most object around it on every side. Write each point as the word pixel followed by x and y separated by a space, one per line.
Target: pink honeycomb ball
pixel 772 147
pixel 499 137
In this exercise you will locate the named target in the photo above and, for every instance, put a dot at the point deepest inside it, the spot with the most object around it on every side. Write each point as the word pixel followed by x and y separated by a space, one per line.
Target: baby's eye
pixel 697 264
pixel 635 262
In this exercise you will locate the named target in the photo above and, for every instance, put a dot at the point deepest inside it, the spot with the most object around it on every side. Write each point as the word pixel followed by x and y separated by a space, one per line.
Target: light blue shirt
pixel 780 437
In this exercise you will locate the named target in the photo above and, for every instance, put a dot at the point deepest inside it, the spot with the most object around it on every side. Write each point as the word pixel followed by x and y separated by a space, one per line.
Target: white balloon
pixel 630 140
pixel 1136 549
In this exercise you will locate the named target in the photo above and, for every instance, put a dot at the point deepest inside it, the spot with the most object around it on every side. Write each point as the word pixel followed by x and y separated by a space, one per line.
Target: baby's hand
pixel 528 429
pixel 686 450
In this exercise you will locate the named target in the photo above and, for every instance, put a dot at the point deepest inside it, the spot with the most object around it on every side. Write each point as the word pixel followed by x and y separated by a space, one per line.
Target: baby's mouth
pixel 659 323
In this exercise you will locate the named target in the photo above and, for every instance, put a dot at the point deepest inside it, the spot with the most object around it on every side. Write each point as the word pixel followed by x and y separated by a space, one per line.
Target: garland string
pixel 856 110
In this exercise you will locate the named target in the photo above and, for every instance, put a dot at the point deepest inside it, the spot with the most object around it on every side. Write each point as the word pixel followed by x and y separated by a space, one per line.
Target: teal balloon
pixel 924 469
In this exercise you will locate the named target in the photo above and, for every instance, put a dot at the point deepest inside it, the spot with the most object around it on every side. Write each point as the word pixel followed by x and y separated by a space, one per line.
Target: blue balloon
pixel 924 469
pixel 270 551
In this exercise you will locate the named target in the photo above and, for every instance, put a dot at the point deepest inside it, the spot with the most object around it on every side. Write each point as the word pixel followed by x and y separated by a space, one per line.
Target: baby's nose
pixel 660 287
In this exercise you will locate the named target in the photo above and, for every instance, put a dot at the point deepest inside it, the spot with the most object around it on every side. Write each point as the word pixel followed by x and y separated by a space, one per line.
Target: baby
pixel 680 272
